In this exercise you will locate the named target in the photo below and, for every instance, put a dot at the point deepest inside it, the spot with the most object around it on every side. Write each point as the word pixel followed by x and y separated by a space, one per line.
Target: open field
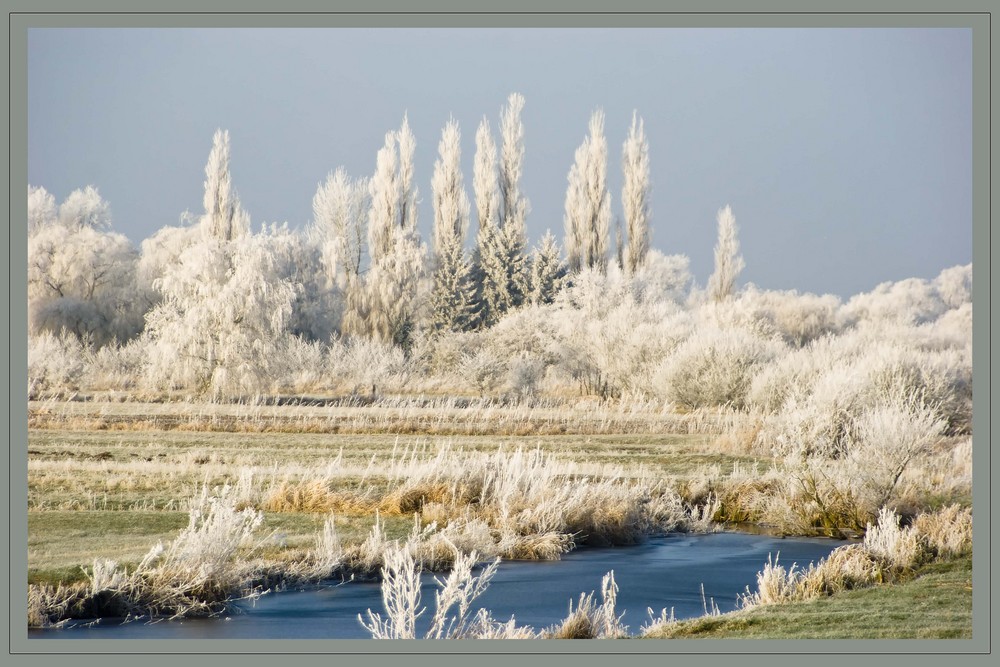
pixel 114 492
pixel 107 482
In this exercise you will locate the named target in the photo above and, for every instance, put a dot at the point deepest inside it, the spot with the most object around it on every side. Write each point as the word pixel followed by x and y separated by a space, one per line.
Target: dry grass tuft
pixel 590 620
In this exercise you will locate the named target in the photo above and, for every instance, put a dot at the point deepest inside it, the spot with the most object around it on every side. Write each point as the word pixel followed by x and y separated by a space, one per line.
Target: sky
pixel 846 154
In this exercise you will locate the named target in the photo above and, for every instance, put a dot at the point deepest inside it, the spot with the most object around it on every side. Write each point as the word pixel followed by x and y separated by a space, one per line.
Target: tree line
pixel 211 297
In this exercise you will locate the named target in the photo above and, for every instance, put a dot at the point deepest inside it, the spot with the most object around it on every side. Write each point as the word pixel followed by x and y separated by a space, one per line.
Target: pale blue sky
pixel 846 154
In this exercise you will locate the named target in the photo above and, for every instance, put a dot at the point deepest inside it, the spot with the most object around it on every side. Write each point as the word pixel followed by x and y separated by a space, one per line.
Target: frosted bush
pixel 55 362
pixel 530 330
pixel 713 368
pixel 524 374
pixel 483 370
pixel 301 365
pixel 792 374
pixel 954 286
pixel 662 278
pixel 797 318
pixel 362 364
pixel 886 439
pixel 116 366
pixel 910 301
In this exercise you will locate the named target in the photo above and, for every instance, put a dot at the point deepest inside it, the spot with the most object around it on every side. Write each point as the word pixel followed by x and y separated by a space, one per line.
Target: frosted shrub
pixel 662 278
pixel 608 339
pixel 441 355
pixel 887 439
pixel 714 368
pixel 954 286
pixel 524 375
pixel 910 301
pixel 818 423
pixel 529 330
pixel 483 370
pixel 877 447
pixel 116 366
pixel 792 374
pixel 55 362
pixel 362 363
pixel 301 365
pixel 797 318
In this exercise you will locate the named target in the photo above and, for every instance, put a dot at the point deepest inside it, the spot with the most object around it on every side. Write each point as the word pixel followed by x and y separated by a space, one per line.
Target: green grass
pixel 937 604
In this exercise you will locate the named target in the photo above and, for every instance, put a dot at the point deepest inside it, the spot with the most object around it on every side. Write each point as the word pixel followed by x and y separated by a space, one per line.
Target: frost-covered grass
pixel 325 513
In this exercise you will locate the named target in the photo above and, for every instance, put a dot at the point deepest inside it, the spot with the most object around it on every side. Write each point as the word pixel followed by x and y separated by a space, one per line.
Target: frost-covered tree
pixel 222 319
pixel 728 261
pixel 299 261
pixel 225 305
pixel 341 210
pixel 503 209
pixel 340 220
pixel 452 301
pixel 384 304
pixel 85 208
pixel 635 195
pixel 42 208
pixel 490 276
pixel 81 275
pixel 547 270
pixel 588 203
pixel 224 219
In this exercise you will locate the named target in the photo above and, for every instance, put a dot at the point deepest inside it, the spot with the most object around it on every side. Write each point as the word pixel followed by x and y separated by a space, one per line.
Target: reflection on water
pixel 662 572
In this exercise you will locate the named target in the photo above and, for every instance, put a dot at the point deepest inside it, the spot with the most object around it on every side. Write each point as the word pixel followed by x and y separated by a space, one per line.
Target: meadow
pixel 287 495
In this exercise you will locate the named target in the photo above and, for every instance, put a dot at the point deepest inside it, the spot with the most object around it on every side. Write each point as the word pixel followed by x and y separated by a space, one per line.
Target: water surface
pixel 662 572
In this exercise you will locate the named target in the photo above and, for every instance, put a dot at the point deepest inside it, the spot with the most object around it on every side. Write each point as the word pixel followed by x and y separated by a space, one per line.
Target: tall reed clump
pixel 591 620
pixel 522 504
pixel 452 618
pixel 453 601
pixel 888 552
pixel 200 573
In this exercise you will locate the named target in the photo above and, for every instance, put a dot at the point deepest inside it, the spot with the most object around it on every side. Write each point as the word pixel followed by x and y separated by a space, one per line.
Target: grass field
pixel 108 480
pixel 935 604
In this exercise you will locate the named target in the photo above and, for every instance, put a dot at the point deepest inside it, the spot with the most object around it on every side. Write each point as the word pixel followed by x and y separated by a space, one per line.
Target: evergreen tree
pixel 502 266
pixel 452 306
pixel 547 270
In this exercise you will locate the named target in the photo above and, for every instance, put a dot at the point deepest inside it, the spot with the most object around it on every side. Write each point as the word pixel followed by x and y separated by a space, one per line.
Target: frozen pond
pixel 662 572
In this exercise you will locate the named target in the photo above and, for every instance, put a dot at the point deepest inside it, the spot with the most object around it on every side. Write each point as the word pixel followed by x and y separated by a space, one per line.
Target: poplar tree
pixel 728 261
pixel 588 204
pixel 635 196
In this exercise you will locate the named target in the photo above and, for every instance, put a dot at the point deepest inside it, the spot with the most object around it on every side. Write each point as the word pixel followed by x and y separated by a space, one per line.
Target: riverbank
pixel 935 602
pixel 324 502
